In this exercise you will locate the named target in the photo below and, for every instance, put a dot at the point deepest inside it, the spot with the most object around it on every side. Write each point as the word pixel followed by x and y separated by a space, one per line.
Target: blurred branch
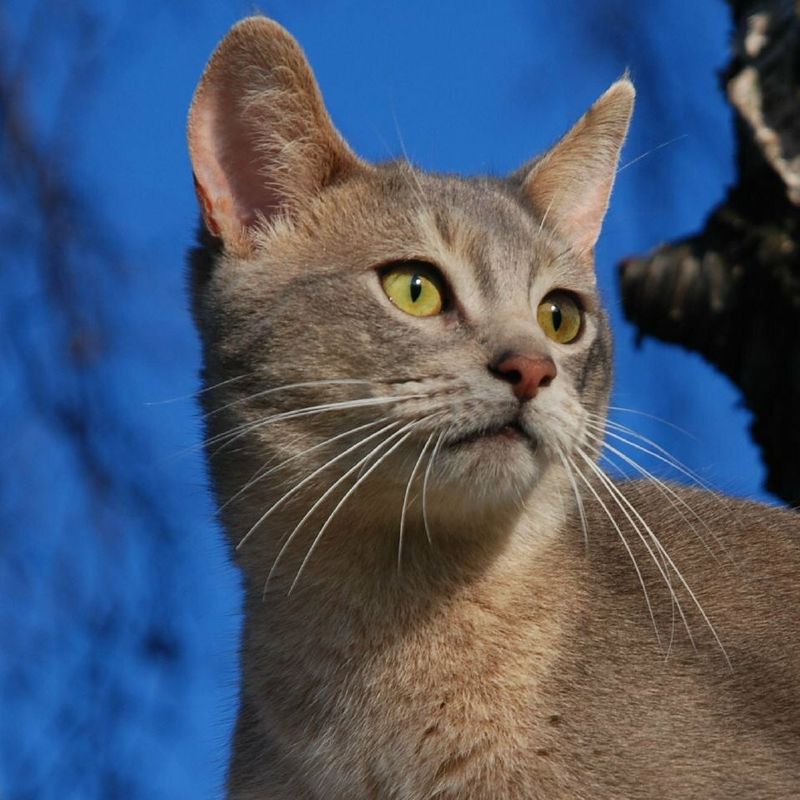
pixel 46 219
pixel 732 291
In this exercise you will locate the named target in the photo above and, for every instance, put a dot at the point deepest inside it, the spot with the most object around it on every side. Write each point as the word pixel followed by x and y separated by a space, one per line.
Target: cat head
pixel 424 332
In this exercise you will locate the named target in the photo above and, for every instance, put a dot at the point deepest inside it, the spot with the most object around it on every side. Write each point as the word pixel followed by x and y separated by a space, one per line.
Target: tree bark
pixel 732 291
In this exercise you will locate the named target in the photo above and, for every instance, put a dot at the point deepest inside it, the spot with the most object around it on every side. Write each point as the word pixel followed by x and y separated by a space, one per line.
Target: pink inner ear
pixel 572 202
pixel 584 220
pixel 572 183
pixel 230 185
pixel 259 135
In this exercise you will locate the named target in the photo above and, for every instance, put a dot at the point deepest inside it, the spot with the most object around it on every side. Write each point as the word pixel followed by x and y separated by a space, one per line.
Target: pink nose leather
pixel 526 374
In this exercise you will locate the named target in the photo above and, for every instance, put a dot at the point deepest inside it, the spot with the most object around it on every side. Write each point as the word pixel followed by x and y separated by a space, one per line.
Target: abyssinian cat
pixel 407 379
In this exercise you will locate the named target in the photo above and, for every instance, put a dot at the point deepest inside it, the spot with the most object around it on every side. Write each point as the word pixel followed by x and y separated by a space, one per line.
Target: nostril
pixel 499 370
pixel 526 374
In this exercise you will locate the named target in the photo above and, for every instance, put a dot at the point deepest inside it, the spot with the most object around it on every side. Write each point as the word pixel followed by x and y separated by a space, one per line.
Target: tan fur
pixel 571 185
pixel 482 648
pixel 243 108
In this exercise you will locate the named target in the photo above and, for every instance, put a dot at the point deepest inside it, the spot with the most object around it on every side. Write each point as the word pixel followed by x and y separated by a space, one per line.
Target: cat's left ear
pixel 571 184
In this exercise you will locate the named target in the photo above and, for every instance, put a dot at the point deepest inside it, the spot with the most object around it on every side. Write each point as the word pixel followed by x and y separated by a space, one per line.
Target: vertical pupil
pixel 416 288
pixel 557 318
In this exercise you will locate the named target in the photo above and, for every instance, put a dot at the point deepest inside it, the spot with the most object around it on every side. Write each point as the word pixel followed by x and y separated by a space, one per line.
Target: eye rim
pixel 576 301
pixel 428 270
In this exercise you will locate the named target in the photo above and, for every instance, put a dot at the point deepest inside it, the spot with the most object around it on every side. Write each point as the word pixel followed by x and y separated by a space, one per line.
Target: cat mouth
pixel 505 432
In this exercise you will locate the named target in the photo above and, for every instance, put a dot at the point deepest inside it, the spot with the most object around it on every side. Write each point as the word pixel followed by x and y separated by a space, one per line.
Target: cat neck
pixel 360 555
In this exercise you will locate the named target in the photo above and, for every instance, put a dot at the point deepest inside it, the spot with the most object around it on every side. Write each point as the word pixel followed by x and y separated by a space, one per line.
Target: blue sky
pixel 458 87
pixel 470 88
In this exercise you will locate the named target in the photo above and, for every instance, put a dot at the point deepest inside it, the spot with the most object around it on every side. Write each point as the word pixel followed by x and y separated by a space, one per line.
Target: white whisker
pixel 241 430
pixel 286 387
pixel 324 496
pixel 199 392
pixel 261 474
pixel 658 452
pixel 669 493
pixel 347 495
pixel 653 417
pixel 296 488
pixel 327 494
pixel 418 192
pixel 405 500
pixel 625 545
pixel 651 151
pixel 617 495
pixel 578 499
pixel 673 566
pixel 547 210
pixel 428 470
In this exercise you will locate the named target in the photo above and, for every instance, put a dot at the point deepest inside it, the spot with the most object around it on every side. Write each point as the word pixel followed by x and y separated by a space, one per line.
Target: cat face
pixel 312 306
pixel 434 333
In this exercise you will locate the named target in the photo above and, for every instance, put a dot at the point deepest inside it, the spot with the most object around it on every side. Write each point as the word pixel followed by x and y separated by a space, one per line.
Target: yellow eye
pixel 560 317
pixel 414 289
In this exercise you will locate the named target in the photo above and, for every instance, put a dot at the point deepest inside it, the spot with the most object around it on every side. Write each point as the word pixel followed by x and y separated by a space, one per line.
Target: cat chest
pixel 446 706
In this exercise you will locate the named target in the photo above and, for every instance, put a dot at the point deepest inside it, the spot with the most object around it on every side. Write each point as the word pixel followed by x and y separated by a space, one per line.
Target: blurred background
pixel 119 609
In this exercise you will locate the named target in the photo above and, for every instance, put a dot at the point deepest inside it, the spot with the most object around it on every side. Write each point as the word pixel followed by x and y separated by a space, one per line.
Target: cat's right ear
pixel 260 138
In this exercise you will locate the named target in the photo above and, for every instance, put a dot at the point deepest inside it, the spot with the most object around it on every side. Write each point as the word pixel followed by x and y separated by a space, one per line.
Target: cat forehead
pixel 478 225
pixel 397 212
pixel 464 210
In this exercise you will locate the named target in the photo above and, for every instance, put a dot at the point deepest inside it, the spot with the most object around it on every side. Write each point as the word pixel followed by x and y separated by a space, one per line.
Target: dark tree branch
pixel 732 291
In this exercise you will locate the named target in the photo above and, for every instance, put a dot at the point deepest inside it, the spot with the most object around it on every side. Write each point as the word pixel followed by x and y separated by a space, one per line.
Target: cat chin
pixel 492 470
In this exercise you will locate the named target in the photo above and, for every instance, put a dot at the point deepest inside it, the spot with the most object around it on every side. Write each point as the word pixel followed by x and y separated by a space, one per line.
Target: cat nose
pixel 526 374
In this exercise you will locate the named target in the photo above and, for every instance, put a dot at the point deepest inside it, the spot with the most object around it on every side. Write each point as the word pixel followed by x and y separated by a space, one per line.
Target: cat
pixel 406 387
